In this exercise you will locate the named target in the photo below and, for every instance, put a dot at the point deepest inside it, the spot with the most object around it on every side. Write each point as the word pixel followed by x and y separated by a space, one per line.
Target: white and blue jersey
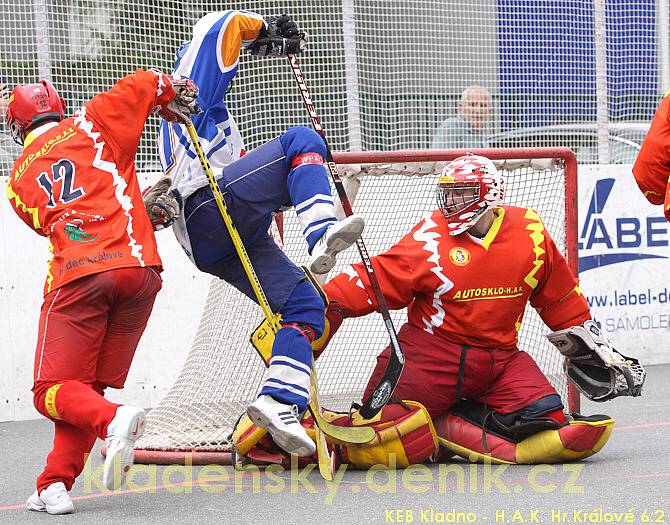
pixel 211 60
pixel 285 171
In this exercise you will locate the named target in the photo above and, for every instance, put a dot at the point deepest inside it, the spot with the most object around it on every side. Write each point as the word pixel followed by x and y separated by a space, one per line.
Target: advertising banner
pixel 624 261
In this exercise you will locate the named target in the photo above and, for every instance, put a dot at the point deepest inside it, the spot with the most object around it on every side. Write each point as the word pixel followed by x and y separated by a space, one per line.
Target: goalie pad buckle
pixel 597 369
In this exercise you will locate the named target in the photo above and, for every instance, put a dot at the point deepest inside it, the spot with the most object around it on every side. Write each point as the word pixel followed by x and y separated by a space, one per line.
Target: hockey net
pixel 392 190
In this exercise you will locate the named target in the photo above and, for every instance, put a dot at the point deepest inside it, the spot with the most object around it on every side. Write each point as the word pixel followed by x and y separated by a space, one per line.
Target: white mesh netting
pixel 223 372
pixel 384 73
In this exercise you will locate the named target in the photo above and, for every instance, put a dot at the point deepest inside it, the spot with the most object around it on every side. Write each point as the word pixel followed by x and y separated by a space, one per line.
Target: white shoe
pixel 126 428
pixel 282 422
pixel 337 238
pixel 54 500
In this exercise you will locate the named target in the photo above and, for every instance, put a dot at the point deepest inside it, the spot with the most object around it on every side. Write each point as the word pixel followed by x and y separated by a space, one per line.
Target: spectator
pixel 466 130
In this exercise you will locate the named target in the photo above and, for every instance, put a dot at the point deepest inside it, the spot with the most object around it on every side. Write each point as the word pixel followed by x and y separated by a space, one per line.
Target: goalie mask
pixel 598 370
pixel 32 104
pixel 468 187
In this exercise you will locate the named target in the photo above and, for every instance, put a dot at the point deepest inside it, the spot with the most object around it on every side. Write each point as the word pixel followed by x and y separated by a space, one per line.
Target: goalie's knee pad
pixel 479 434
pixel 404 435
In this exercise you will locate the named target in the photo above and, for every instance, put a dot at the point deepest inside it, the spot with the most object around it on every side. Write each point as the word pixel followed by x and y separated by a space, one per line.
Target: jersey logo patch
pixel 459 256
pixel 75 231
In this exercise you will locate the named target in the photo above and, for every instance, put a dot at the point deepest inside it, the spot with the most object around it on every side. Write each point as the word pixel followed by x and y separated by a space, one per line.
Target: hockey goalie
pixel 465 273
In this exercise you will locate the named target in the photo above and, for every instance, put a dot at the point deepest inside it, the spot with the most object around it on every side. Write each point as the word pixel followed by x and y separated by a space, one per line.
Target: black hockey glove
pixel 278 38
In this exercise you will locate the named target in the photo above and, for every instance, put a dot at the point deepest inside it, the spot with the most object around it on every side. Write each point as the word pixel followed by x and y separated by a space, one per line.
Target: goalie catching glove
pixel 598 370
pixel 162 204
pixel 279 37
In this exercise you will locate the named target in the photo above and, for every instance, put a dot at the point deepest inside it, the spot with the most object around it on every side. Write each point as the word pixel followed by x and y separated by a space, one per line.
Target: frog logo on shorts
pixel 459 256
pixel 75 231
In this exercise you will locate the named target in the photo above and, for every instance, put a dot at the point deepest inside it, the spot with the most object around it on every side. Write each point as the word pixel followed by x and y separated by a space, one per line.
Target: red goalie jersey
pixel 75 182
pixel 467 290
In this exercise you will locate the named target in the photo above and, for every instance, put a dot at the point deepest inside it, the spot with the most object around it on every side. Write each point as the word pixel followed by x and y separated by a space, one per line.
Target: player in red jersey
pixel 652 165
pixel 75 184
pixel 465 274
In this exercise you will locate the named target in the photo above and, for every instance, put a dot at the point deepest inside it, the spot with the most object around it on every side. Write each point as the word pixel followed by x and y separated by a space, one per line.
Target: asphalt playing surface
pixel 627 482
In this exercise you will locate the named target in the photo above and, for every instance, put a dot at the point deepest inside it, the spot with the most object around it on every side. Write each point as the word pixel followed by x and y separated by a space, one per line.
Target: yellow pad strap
pixel 50 401
pixel 471 455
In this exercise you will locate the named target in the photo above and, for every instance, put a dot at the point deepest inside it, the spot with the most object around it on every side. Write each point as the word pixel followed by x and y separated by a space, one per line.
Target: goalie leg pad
pixel 478 434
pixel 246 435
pixel 404 435
pixel 579 439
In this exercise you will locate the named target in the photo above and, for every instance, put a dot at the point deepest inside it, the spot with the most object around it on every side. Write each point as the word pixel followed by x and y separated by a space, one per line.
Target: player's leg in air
pixel 285 171
pixel 309 191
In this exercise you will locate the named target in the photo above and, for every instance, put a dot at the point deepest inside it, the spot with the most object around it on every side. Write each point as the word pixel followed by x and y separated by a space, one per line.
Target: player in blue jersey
pixel 288 170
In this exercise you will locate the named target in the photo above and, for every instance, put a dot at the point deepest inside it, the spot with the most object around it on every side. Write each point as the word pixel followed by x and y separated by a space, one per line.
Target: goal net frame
pixel 355 167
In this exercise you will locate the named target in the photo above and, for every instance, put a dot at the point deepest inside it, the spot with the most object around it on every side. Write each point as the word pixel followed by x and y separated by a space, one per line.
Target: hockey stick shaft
pixel 273 319
pixel 232 230
pixel 382 392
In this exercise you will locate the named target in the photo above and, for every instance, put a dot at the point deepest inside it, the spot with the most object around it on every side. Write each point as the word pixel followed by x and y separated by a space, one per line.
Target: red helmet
pixel 31 104
pixel 468 187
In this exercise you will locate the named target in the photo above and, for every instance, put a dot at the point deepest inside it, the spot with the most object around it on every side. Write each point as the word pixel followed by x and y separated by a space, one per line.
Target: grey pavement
pixel 631 474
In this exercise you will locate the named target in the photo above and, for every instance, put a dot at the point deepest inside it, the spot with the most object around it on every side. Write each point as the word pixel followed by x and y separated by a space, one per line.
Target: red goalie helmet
pixel 31 104
pixel 468 187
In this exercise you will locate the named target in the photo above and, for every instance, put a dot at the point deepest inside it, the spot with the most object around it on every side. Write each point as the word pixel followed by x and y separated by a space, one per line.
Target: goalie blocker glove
pixel 598 370
pixel 279 37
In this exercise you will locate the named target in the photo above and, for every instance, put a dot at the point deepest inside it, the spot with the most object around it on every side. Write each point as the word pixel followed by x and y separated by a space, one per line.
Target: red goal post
pixel 392 190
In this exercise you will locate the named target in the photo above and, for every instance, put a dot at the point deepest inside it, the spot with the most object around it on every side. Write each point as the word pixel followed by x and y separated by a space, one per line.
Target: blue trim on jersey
pixel 220 145
pixel 184 141
pixel 167 158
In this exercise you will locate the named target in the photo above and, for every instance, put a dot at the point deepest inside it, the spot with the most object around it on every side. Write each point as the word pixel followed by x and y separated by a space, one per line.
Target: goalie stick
pixel 348 434
pixel 383 391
